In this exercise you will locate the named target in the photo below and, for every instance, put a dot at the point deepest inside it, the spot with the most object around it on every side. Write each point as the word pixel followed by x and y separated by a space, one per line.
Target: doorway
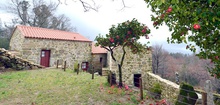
pixel 45 58
pixel 136 80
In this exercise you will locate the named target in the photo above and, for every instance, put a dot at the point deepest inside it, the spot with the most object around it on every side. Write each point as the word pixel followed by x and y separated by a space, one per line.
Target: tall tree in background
pixel 159 59
pixel 192 20
pixel 39 14
pixel 124 35
pixel 4 39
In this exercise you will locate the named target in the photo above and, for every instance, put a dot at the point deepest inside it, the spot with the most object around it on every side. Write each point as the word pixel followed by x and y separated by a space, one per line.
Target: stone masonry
pixel 70 51
pixel 7 58
pixel 170 90
pixel 142 64
pixel 96 61
pixel 133 64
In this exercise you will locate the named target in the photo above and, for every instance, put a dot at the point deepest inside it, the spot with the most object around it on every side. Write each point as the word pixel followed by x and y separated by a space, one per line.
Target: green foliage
pixel 134 99
pixel 125 34
pixel 4 43
pixel 187 95
pixel 156 90
pixel 216 99
pixel 49 87
pixel 56 87
pixel 76 66
pixel 195 21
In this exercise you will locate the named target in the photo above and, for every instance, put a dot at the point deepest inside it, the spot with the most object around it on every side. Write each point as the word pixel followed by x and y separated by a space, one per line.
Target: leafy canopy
pixel 124 34
pixel 195 21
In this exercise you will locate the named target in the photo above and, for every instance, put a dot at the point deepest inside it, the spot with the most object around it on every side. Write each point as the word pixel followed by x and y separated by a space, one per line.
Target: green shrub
pixel 76 66
pixel 217 99
pixel 4 43
pixel 134 99
pixel 156 91
pixel 187 95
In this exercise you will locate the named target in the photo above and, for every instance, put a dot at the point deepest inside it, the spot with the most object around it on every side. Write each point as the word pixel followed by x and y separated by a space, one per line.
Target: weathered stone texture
pixel 16 41
pixel 142 64
pixel 10 60
pixel 133 64
pixel 70 51
pixel 209 91
pixel 96 61
pixel 170 90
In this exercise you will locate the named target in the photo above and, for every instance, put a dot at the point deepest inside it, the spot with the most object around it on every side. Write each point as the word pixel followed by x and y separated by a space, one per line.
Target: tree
pixel 158 59
pixel 123 35
pixel 195 21
pixel 4 37
pixel 38 14
pixel 89 5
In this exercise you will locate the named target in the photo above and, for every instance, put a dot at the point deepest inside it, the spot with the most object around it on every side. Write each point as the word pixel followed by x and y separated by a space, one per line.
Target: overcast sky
pixel 92 23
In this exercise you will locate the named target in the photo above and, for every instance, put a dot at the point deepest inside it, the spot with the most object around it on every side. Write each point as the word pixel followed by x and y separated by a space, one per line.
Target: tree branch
pixel 111 51
pixel 123 56
pixel 87 6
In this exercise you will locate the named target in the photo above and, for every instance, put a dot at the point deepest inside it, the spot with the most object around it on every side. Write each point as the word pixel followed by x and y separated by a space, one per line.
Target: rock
pixel 3 58
pixel 2 68
pixel 9 60
pixel 96 73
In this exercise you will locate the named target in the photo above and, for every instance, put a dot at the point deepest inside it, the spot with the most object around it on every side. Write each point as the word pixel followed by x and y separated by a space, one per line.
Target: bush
pixel 4 43
pixel 76 66
pixel 113 78
pixel 187 95
pixel 156 91
pixel 217 99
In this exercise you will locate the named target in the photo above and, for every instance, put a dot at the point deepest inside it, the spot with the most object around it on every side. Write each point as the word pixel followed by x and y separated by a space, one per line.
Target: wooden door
pixel 45 58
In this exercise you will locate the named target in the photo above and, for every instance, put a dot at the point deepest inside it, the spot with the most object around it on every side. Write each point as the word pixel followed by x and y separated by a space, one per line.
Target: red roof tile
pixel 98 49
pixel 43 33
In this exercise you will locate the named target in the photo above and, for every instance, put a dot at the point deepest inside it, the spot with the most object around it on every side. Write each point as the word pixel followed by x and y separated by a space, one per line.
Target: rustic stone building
pixel 99 58
pixel 46 46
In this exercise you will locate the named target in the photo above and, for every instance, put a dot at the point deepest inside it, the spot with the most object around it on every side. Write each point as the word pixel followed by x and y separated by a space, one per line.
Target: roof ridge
pixel 46 28
pixel 45 33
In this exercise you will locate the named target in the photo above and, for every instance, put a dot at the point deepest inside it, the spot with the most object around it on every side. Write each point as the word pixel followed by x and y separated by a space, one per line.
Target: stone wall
pixel 62 50
pixel 142 64
pixel 9 60
pixel 69 51
pixel 96 61
pixel 133 64
pixel 16 41
pixel 170 90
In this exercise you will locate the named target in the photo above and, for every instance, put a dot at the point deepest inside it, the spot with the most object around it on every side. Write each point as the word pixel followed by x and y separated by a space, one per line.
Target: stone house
pixel 46 46
pixel 99 58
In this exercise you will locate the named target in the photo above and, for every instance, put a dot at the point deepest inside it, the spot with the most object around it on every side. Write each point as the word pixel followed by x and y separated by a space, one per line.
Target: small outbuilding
pixel 99 58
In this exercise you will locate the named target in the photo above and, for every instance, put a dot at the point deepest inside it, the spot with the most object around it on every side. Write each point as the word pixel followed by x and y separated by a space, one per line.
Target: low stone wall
pixel 170 90
pixel 8 59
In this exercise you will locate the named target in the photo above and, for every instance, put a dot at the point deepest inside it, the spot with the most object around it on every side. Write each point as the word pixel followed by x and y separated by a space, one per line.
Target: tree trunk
pixel 120 76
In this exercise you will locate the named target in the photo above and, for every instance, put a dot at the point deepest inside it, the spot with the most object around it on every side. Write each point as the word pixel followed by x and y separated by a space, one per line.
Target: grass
pixel 56 87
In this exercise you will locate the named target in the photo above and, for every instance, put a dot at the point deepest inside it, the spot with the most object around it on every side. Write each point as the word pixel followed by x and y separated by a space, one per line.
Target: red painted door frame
pixel 45 58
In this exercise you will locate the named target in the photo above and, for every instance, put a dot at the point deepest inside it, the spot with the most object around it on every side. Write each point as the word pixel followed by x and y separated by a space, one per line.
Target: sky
pixel 92 23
